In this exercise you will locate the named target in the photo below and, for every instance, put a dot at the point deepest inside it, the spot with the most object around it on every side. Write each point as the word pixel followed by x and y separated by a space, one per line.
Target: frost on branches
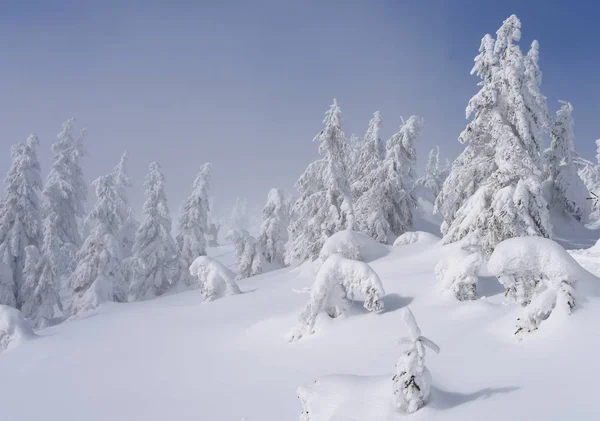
pixel 154 253
pixel 494 189
pixel 215 280
pixel 338 281
pixel 20 224
pixel 324 206
pixel 274 229
pixel 193 224
pixel 539 275
pixel 568 192
pixel 412 382
pixel 385 209
pixel 63 201
pixel 98 276
pixel 459 274
pixel 249 258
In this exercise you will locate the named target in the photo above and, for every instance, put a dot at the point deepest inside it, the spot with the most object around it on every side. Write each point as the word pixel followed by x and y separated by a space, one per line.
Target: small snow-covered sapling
pixel 412 381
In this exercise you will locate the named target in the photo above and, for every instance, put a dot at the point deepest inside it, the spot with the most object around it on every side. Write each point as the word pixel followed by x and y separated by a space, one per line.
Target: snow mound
pixel 347 398
pixel 215 280
pixel 353 245
pixel 416 237
pixel 13 328
pixel 339 280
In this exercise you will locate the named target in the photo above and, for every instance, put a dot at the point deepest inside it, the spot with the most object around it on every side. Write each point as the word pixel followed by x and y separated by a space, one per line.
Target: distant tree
pixel 63 201
pixel 154 251
pixel 369 157
pixel 127 223
pixel 325 204
pixel 435 175
pixel 20 223
pixel 213 235
pixel 249 258
pixel 193 224
pixel 273 231
pixel 239 219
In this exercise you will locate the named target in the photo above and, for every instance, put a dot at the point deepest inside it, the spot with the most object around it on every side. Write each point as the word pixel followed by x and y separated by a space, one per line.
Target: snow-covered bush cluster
pixel 214 280
pixel 249 257
pixel 13 328
pixel 337 282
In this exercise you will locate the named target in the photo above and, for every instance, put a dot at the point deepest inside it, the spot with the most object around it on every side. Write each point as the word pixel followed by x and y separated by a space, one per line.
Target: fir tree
pixel 273 231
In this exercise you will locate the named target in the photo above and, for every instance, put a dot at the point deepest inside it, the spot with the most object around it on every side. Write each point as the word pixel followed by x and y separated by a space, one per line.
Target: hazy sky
pixel 245 84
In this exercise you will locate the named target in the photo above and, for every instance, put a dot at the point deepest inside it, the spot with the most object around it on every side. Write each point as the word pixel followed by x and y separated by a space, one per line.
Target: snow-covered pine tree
pixel 369 157
pixel 412 382
pixel 154 252
pixel 494 190
pixel 63 201
pixel 127 225
pixel 20 223
pixel 39 289
pixel 193 225
pixel 98 276
pixel 239 219
pixel 569 192
pixel 249 258
pixel 385 209
pixel 274 229
pixel 434 174
pixel 325 204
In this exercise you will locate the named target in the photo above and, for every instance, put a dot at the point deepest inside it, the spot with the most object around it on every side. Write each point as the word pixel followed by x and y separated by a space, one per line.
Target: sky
pixel 244 85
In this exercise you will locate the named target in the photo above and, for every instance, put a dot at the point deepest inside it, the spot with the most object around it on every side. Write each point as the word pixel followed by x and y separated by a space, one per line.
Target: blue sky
pixel 244 85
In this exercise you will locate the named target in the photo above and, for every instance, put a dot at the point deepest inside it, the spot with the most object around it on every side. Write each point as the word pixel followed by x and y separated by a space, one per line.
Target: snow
pixel 216 281
pixel 416 236
pixel 14 329
pixel 353 245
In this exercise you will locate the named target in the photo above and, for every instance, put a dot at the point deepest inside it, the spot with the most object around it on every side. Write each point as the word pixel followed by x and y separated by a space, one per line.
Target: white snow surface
pixel 177 358
pixel 416 236
pixel 353 245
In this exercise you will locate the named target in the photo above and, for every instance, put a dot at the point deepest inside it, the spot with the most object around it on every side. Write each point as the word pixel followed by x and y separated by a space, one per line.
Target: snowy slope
pixel 175 358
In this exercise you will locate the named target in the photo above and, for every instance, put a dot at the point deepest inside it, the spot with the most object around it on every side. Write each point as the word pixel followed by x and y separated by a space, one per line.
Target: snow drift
pixel 14 329
pixel 353 245
pixel 416 237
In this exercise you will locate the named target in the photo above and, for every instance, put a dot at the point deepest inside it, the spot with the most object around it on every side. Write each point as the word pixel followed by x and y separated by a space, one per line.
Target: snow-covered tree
pixel 459 274
pixel 412 381
pixel 215 280
pixel 154 251
pixel 249 258
pixel 63 201
pixel 369 157
pixel 385 209
pixel 127 225
pixel 538 115
pixel 337 281
pixel 569 192
pixel 20 223
pixel 325 204
pixel 494 190
pixel 435 175
pixel 39 289
pixel 239 219
pixel 274 229
pixel 98 276
pixel 193 224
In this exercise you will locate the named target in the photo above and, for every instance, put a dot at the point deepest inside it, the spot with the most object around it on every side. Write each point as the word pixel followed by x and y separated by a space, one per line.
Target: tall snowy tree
pixel 63 201
pixel 20 223
pixel 325 204
pixel 494 189
pixel 435 175
pixel 569 191
pixel 385 210
pixel 369 157
pixel 154 252
pixel 127 223
pixel 193 225
pixel 248 254
pixel 274 229
pixel 239 219
pixel 98 276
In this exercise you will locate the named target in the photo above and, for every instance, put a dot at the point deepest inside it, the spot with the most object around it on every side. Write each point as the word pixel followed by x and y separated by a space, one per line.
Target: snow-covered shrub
pixel 352 245
pixel 274 229
pixel 215 280
pixel 337 281
pixel 459 273
pixel 412 381
pixel 38 286
pixel 13 328
pixel 414 237
pixel 248 254
pixel 539 275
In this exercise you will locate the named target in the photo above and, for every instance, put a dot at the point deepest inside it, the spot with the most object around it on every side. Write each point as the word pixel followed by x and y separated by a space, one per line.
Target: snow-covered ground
pixel 177 358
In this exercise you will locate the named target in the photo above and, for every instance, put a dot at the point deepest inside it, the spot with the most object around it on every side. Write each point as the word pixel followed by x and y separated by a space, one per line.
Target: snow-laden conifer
pixel 239 218
pixel 214 280
pixel 412 381
pixel 154 252
pixel 274 229
pixel 369 157
pixel 386 208
pixel 494 189
pixel 193 224
pixel 128 225
pixel 39 289
pixel 249 259
pixel 98 276
pixel 20 223
pixel 569 192
pixel 325 204
pixel 435 174
pixel 63 201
